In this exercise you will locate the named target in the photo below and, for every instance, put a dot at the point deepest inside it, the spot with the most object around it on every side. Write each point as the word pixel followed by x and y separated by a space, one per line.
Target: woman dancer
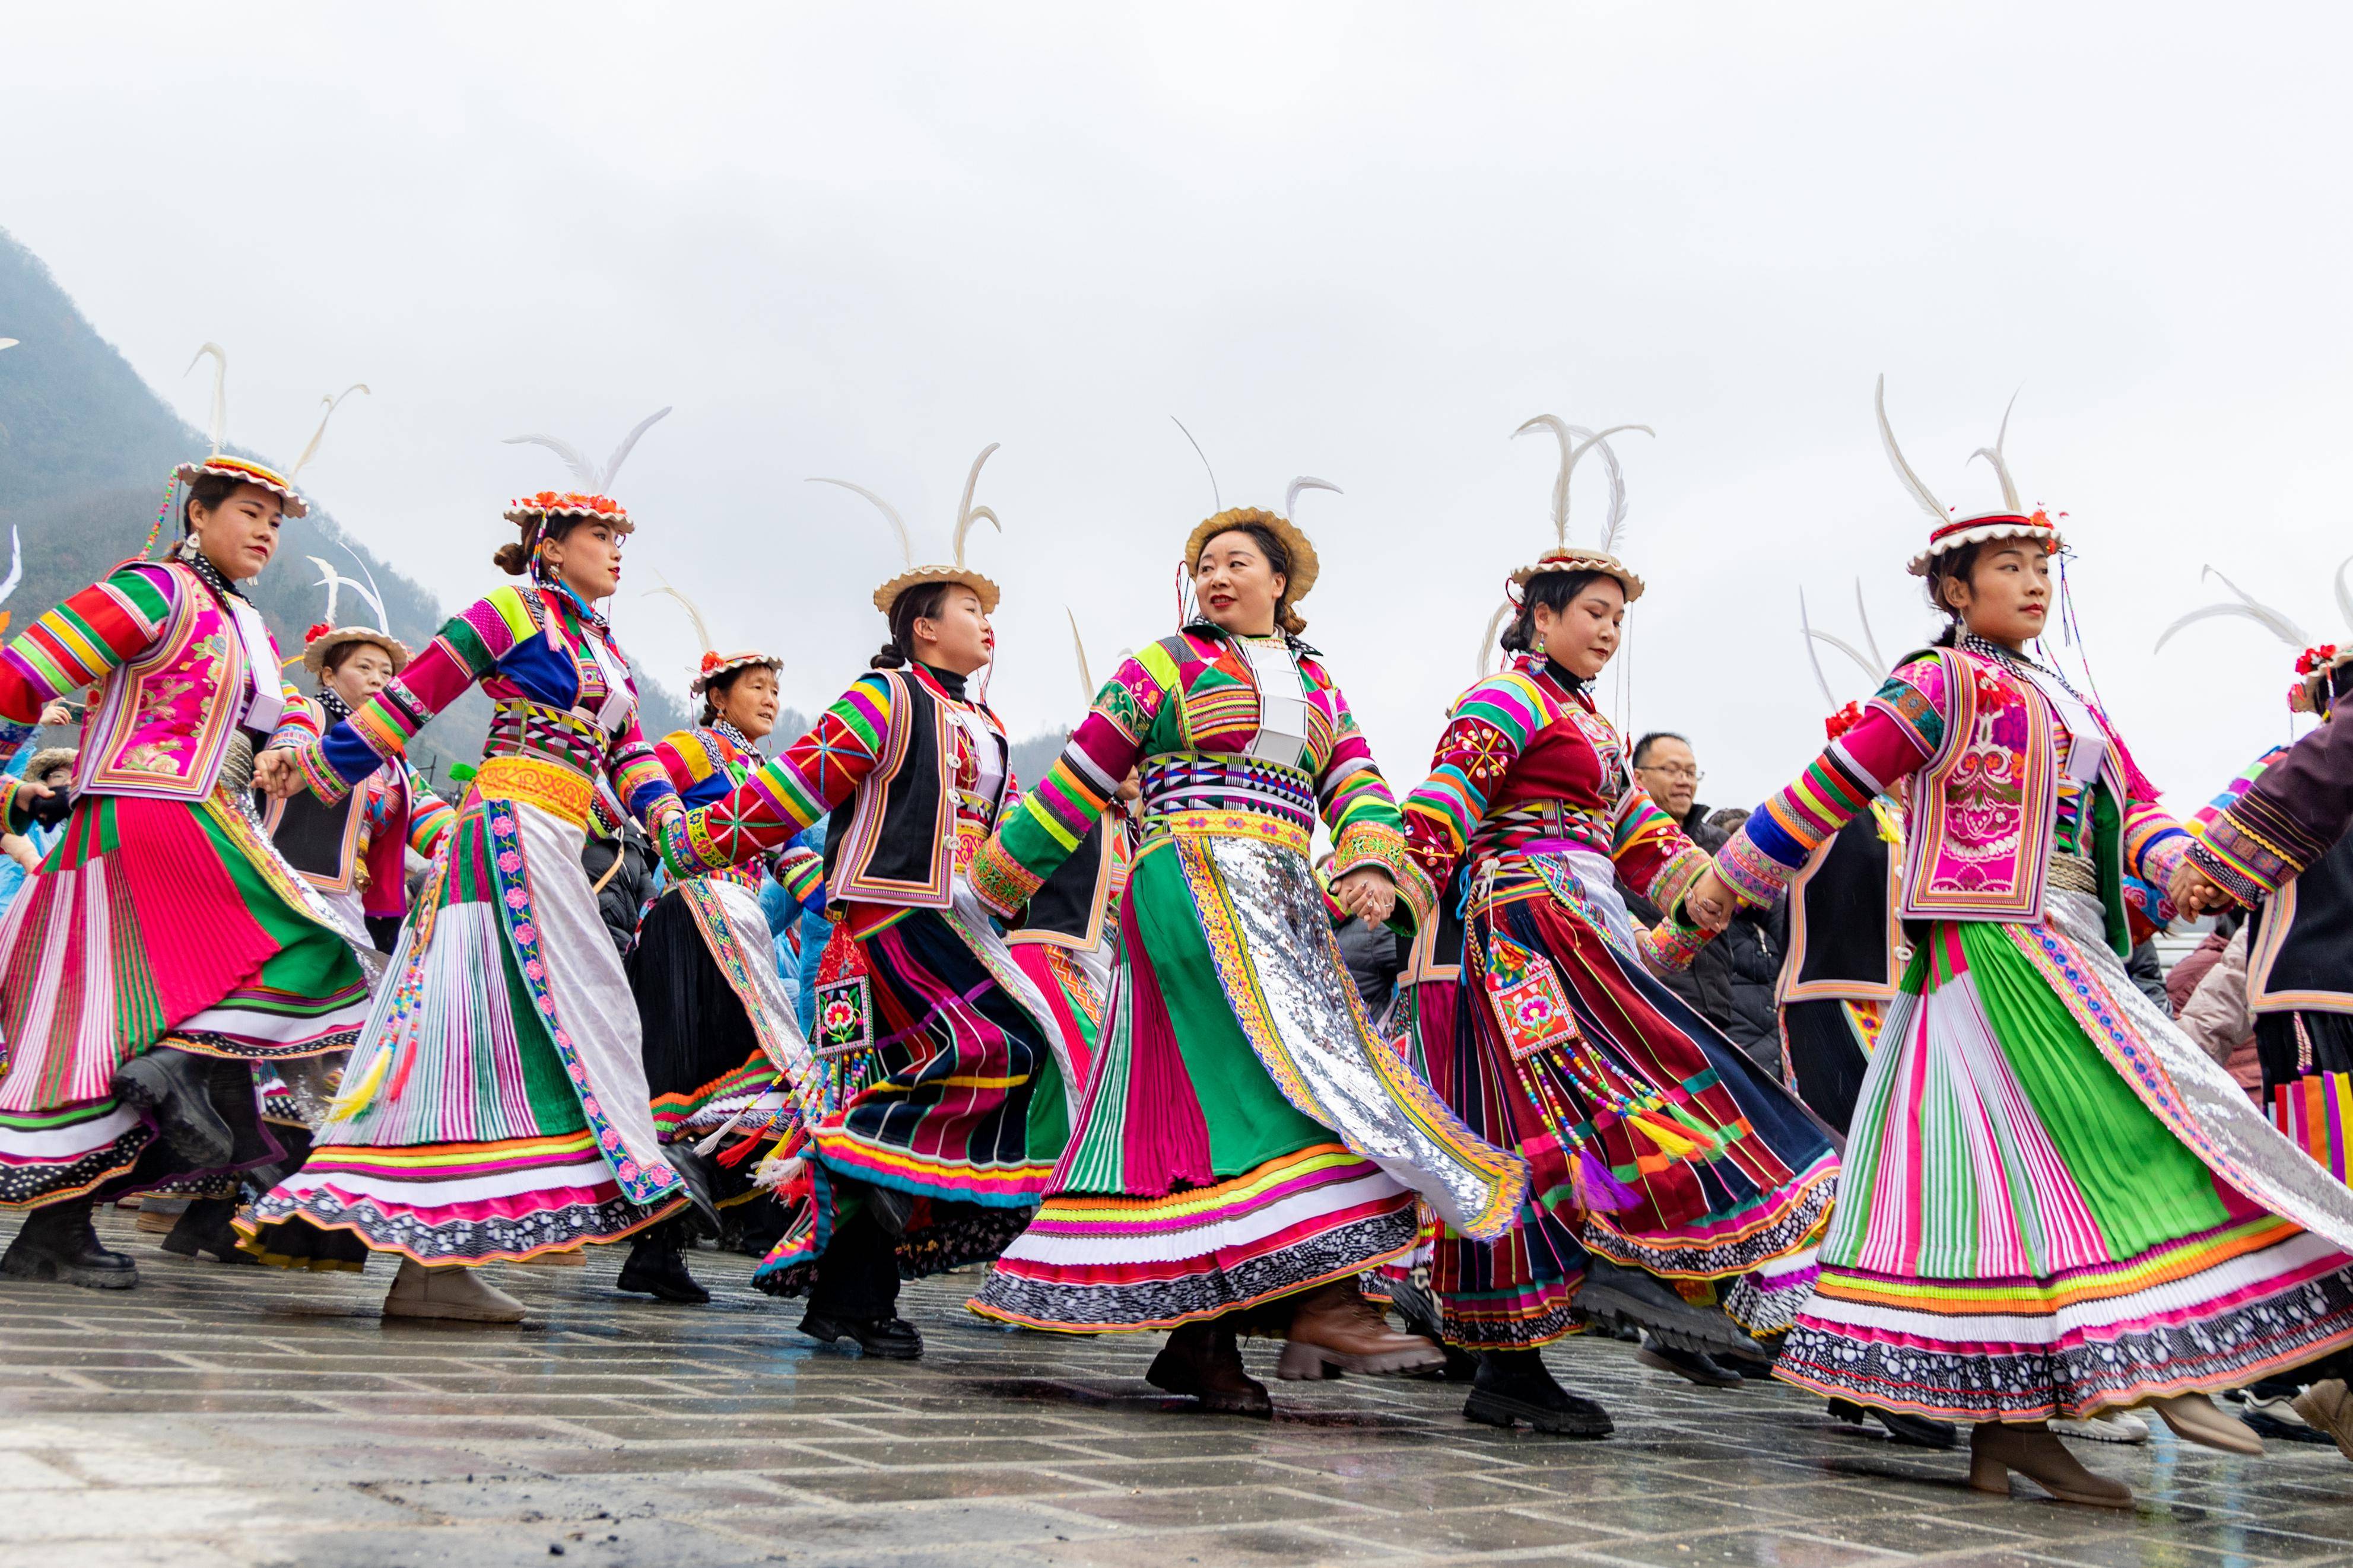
pixel 1651 1139
pixel 357 851
pixel 932 1130
pixel 165 948
pixel 2055 1204
pixel 495 1106
pixel 1249 1143
pixel 721 1048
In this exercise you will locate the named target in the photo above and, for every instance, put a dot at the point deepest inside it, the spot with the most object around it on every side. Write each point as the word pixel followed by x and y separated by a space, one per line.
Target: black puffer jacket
pixel 1753 944
pixel 623 898
pixel 1707 984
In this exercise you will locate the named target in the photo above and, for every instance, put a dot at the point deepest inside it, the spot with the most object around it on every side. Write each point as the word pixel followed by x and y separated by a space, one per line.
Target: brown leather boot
pixel 1201 1360
pixel 1333 1325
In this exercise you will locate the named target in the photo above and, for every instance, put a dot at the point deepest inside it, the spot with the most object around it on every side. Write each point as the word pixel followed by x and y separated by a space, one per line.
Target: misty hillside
pixel 85 451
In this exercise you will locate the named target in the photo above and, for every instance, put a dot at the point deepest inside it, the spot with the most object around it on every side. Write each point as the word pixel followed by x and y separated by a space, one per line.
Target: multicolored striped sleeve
pixel 298 723
pixel 1044 828
pixel 684 758
pixel 432 819
pixel 1652 852
pixel 1485 732
pixel 801 872
pixel 815 773
pixel 637 776
pixel 106 625
pixel 1901 729
pixel 1366 828
pixel 467 648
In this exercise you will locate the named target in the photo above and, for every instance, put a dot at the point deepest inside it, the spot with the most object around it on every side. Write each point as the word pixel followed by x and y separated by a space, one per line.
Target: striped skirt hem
pixel 1089 1262
pixel 456 1203
pixel 2204 1314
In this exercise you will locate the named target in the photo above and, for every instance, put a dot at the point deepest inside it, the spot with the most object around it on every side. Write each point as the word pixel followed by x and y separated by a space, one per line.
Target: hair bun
pixel 891 657
pixel 512 558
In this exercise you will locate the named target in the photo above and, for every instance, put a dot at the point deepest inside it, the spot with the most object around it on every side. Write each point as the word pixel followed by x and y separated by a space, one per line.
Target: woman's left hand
pixel 1366 893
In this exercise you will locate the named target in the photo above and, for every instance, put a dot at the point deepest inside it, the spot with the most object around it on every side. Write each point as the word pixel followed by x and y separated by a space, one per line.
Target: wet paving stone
pixel 223 1417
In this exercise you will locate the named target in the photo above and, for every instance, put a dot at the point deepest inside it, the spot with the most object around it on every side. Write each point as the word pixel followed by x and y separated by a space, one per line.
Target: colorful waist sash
pixel 1190 792
pixel 553 788
pixel 1516 828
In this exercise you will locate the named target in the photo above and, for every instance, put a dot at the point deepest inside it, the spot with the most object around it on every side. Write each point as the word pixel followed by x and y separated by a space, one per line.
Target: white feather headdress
pixel 1575 441
pixel 595 498
pixel 2009 521
pixel 2242 606
pixel 955 571
pixel 712 664
pixel 242 470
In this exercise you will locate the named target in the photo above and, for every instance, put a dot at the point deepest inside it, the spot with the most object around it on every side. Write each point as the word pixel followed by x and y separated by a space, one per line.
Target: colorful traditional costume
pixel 163 921
pixel 1651 1139
pixel 496 1106
pixel 1246 1136
pixel 939 1108
pixel 2055 1204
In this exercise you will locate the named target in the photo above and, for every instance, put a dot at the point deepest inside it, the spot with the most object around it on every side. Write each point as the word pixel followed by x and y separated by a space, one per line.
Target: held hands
pixel 2195 893
pixel 1710 902
pixel 1366 892
pixel 276 774
pixel 57 715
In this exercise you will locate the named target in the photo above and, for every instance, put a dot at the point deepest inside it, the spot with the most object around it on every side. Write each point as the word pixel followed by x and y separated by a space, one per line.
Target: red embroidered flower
pixel 711 661
pixel 2313 661
pixel 316 630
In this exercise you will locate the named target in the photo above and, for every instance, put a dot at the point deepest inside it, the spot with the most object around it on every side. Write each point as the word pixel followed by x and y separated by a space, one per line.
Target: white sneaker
pixel 453 1292
pixel 2124 1426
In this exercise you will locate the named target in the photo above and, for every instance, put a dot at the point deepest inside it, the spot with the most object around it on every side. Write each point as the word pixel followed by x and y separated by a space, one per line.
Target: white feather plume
pixel 333 403
pixel 898 524
pixel 582 468
pixel 1290 495
pixel 2244 608
pixel 1806 626
pixel 966 514
pixel 1079 646
pixel 612 469
pixel 375 594
pixel 2345 594
pixel 219 431
pixel 16 551
pixel 1503 612
pixel 9 343
pixel 1575 442
pixel 2000 465
pixel 1920 492
pixel 1217 501
pixel 1880 668
pixel 702 628
pixel 335 582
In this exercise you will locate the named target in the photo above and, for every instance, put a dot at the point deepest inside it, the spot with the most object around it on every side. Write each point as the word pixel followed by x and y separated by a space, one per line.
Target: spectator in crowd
pixel 23 852
pixel 1753 944
pixel 1372 953
pixel 622 871
pixel 1666 770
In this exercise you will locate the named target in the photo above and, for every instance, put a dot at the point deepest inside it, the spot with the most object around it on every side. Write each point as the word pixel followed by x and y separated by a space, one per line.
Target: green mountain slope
pixel 86 450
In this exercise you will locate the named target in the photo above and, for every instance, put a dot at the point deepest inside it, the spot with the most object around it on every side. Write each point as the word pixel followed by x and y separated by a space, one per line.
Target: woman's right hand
pixel 1710 902
pixel 55 715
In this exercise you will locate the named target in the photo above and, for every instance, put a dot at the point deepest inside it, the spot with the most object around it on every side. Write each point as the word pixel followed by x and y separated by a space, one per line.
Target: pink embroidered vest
pixel 1985 805
pixel 161 724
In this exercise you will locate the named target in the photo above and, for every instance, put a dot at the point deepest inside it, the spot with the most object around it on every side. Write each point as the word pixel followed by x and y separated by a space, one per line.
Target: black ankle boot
pixel 204 1228
pixel 58 1242
pixel 1516 1385
pixel 168 1087
pixel 657 1266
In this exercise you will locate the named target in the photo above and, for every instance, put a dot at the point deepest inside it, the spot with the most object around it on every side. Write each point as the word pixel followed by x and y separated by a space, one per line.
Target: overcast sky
pixel 1362 243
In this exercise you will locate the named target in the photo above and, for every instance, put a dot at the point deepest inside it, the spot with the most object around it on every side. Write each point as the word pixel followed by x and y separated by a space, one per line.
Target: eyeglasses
pixel 1673 771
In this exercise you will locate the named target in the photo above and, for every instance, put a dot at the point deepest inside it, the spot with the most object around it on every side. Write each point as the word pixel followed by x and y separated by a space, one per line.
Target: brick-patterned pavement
pixel 218 1416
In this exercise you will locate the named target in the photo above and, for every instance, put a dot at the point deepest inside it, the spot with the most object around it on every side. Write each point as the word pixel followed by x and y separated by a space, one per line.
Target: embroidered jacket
pixel 893 761
pixel 1188 711
pixel 707 762
pixel 1525 760
pixel 2300 936
pixel 1991 800
pixel 2287 819
pixel 560 691
pixel 364 840
pixel 181 668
